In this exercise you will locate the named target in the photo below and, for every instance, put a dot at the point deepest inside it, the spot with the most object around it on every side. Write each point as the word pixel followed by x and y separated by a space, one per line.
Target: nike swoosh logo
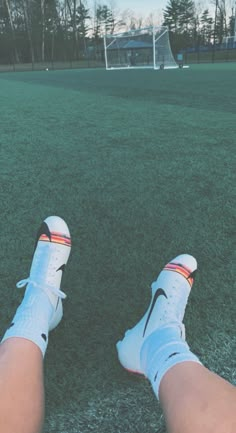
pixel 43 230
pixel 173 354
pixel 62 268
pixel 159 292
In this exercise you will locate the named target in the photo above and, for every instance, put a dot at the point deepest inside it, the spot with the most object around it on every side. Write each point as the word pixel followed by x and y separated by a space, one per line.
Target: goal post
pixel 142 48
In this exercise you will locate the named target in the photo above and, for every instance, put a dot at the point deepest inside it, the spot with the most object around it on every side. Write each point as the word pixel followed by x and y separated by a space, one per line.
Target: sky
pixel 140 7
pixel 144 7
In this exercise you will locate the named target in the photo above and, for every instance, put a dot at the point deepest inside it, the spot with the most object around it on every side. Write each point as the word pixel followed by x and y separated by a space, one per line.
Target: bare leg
pixel 22 388
pixel 195 400
pixel 25 341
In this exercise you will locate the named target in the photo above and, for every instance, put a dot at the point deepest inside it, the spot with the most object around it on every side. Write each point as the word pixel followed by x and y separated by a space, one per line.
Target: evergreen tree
pixel 206 27
pixel 231 26
pixel 82 17
pixel 180 17
pixel 187 15
pixel 171 15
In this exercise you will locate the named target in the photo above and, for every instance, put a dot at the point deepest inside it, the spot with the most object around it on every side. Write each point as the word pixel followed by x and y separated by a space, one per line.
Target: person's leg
pixel 193 399
pixel 21 387
pixel 25 341
pixel 196 400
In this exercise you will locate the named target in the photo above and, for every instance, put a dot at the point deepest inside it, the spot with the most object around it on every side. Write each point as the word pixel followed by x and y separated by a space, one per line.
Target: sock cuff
pixel 162 355
pixel 171 362
pixel 163 337
pixel 163 349
pixel 27 331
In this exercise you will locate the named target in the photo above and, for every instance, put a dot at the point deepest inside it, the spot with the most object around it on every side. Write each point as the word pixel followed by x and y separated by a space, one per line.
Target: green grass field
pixel 141 165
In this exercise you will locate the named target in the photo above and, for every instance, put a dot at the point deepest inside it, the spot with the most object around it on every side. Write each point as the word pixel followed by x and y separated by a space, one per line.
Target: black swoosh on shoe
pixel 43 230
pixel 159 292
pixel 62 268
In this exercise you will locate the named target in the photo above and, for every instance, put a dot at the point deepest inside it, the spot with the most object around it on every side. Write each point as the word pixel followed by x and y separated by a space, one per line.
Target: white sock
pixel 32 318
pixel 163 349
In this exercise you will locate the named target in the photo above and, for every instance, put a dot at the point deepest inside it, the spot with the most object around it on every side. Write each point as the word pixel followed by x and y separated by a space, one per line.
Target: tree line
pixel 68 30
pixel 190 27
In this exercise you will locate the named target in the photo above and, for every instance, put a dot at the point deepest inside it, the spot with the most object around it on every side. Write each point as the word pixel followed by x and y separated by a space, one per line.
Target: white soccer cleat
pixel 170 294
pixel 52 250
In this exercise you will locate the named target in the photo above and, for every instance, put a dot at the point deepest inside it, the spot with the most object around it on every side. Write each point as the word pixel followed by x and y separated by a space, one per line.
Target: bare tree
pixel 43 29
pixel 28 24
pixel 9 12
pixel 78 17
pixel 222 17
pixel 118 17
pixel 154 19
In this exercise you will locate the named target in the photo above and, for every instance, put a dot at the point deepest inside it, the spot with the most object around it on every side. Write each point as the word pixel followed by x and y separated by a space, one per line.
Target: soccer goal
pixel 143 48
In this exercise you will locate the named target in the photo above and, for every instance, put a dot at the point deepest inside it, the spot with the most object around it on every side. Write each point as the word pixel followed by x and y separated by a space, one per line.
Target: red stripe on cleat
pixel 180 269
pixel 56 238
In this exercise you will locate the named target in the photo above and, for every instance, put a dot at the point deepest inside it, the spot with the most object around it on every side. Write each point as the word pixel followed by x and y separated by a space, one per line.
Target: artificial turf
pixel 141 165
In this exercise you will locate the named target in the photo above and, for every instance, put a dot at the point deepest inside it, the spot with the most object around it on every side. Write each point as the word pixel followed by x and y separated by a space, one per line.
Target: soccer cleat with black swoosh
pixel 170 294
pixel 52 250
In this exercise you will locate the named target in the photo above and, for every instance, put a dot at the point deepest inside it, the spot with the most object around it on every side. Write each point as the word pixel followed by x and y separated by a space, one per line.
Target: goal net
pixel 229 41
pixel 143 48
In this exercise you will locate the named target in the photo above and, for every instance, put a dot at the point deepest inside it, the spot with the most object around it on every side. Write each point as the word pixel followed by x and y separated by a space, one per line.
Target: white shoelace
pixel 57 292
